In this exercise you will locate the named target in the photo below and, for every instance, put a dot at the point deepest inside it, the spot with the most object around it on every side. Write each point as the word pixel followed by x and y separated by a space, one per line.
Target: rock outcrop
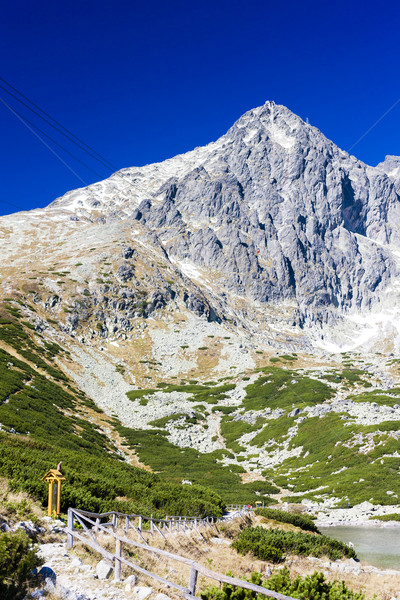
pixel 272 215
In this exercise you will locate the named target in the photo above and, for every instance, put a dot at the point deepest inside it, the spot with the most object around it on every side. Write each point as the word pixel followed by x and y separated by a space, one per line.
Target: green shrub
pixel 284 388
pixel 17 560
pixel 390 517
pixel 259 541
pixel 224 409
pixel 310 587
pixel 302 521
pixel 200 393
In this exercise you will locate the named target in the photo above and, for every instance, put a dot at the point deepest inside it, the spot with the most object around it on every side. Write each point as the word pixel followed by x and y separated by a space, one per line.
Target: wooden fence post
pixel 151 525
pixel 70 524
pixel 118 554
pixel 140 523
pixel 126 525
pixel 193 580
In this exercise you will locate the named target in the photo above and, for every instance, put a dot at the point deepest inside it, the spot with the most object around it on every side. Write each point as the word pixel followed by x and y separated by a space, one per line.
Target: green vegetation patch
pixel 379 398
pixel 331 459
pixel 18 558
pixel 284 388
pixel 199 393
pixel 390 517
pixel 171 418
pixel 273 432
pixel 176 464
pixel 349 376
pixel 309 587
pixel 273 544
pixel 15 335
pixel 232 429
pixel 302 521
pixel 226 410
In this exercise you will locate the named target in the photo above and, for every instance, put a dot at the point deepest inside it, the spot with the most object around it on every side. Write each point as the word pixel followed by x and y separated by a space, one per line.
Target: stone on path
pixel 103 569
pixel 47 573
pixel 76 562
pixel 142 592
pixel 130 583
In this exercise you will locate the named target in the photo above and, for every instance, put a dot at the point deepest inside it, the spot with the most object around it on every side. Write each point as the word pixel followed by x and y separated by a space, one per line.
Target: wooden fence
pixel 90 523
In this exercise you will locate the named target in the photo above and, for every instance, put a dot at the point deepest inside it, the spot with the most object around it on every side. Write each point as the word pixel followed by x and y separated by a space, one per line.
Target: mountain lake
pixel 378 546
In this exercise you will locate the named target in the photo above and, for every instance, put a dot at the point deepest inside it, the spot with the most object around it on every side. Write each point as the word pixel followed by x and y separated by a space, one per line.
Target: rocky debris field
pixel 70 579
pixel 363 515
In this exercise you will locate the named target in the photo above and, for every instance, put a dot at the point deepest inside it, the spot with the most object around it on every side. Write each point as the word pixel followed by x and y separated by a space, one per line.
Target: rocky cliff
pixel 272 228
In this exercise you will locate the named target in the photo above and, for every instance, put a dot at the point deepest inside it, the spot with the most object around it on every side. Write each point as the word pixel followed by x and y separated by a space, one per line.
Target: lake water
pixel 379 546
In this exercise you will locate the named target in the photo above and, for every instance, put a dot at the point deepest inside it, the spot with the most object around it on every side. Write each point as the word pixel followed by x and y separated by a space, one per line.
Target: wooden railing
pixel 91 523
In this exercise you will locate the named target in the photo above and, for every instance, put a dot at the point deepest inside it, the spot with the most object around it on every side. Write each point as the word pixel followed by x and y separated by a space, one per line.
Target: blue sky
pixel 140 82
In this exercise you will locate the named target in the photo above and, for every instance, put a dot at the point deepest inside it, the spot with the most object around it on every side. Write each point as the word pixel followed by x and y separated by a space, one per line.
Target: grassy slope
pixel 328 443
pixel 43 420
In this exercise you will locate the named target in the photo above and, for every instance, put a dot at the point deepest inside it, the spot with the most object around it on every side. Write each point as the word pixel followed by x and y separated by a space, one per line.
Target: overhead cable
pixel 43 142
pixel 80 145
pixel 50 138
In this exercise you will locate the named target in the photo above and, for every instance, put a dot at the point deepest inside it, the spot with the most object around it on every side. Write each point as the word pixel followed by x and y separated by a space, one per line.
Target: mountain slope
pixel 272 226
pixel 175 288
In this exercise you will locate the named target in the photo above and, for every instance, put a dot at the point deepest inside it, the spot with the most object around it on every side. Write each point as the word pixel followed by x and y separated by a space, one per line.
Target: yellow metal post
pixel 50 508
pixel 58 497
pixel 54 478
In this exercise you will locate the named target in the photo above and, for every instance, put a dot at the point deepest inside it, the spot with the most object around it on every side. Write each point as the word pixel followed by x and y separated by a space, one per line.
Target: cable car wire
pixel 50 138
pixel 58 123
pixel 43 142
pixel 92 153
pixel 11 204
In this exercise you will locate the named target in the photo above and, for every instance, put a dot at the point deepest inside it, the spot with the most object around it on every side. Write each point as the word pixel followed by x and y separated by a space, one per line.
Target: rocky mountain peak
pixel 273 224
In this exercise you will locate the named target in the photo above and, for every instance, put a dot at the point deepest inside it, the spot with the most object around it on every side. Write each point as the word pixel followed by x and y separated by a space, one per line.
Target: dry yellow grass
pixel 10 499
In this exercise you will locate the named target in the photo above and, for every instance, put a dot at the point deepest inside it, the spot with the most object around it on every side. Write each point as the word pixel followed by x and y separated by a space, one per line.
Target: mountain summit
pixel 271 229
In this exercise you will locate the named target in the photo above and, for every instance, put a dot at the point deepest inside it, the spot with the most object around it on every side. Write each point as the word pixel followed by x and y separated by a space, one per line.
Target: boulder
pixel 103 570
pixel 29 527
pixel 49 585
pixel 142 592
pixel 37 594
pixel 47 574
pixel 130 583
pixel 76 562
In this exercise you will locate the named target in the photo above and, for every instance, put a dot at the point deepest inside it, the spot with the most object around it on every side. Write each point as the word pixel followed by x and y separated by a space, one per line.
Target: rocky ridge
pixel 272 229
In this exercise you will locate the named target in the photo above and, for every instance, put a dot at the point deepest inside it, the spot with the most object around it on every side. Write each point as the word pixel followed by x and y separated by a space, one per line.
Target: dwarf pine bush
pixel 18 558
pixel 304 588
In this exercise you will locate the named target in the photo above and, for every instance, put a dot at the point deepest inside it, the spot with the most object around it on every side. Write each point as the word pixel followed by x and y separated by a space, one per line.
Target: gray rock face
pixel 271 213
pixel 289 208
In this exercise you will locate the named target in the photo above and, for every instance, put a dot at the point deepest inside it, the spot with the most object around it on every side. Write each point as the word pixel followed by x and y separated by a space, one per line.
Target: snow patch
pixel 278 136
